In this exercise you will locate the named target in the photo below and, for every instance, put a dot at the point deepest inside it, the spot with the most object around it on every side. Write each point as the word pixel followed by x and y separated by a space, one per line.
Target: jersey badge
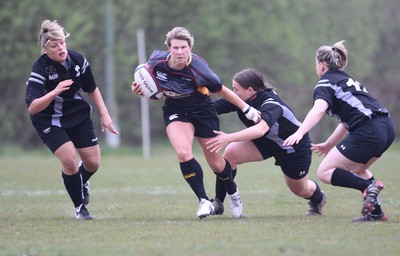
pixel 203 90
pixel 52 72
pixel 161 76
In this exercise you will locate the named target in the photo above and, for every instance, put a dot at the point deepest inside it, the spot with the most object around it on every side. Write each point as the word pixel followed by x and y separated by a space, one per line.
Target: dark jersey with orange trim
pixel 348 99
pixel 276 113
pixel 187 89
pixel 69 108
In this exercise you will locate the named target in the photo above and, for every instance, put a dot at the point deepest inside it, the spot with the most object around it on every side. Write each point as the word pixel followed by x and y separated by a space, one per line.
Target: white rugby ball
pixel 148 83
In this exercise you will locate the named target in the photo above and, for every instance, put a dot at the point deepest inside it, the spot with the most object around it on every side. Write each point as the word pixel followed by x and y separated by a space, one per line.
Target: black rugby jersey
pixel 274 111
pixel 347 99
pixel 188 88
pixel 69 108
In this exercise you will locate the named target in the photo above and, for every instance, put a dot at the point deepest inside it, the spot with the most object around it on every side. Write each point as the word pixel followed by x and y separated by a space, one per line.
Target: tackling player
pixel 264 140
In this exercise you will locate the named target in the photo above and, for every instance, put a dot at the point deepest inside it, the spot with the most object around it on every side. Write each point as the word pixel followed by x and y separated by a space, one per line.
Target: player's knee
pixel 216 168
pixel 301 193
pixel 91 164
pixel 230 157
pixel 184 155
pixel 323 175
pixel 69 166
pixel 300 189
pixel 93 167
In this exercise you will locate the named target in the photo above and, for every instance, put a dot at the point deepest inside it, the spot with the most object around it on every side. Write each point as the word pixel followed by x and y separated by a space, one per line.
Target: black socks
pixel 193 174
pixel 220 190
pixel 226 177
pixel 85 174
pixel 348 179
pixel 73 185
pixel 317 196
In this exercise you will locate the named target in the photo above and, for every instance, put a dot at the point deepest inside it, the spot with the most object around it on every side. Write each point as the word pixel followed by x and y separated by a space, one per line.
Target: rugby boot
pixel 370 195
pixel 371 217
pixel 316 209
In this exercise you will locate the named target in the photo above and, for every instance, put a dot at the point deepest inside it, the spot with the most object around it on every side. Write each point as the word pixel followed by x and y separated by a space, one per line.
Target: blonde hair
pixel 335 56
pixel 181 34
pixel 50 30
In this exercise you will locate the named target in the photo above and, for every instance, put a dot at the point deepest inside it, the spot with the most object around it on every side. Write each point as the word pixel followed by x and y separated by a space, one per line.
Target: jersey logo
pixel 343 147
pixel 302 173
pixel 47 130
pixel 173 116
pixel 161 76
pixel 52 72
pixel 77 69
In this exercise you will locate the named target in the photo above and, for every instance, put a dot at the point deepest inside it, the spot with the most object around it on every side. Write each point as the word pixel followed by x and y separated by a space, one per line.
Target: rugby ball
pixel 148 83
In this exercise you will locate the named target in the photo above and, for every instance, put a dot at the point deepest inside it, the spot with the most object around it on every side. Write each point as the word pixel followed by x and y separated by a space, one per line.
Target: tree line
pixel 278 37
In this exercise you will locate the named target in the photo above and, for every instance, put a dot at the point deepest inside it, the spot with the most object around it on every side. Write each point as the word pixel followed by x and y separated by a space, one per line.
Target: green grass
pixel 146 208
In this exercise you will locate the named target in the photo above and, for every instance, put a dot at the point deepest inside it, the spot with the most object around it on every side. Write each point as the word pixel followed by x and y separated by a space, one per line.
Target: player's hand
pixel 62 86
pixel 136 89
pixel 293 139
pixel 217 143
pixel 106 123
pixel 321 148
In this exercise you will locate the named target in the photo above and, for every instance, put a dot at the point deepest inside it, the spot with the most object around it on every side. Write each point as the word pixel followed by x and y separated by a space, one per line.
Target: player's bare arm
pixel 43 102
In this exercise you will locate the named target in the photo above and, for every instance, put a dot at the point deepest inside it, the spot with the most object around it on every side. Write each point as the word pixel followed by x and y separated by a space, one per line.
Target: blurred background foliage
pixel 278 37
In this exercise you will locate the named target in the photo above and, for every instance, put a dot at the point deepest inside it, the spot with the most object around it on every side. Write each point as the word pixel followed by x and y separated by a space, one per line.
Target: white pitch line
pixel 126 190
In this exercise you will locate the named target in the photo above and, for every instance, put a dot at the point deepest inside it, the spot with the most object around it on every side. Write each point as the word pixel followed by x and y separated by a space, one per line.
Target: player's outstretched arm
pixel 312 119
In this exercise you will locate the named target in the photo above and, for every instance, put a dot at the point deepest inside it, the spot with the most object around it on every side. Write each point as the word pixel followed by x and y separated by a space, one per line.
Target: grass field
pixel 146 208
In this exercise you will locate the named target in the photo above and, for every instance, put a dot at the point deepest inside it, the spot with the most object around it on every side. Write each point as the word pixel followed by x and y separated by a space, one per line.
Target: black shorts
pixel 82 135
pixel 371 139
pixel 205 120
pixel 294 165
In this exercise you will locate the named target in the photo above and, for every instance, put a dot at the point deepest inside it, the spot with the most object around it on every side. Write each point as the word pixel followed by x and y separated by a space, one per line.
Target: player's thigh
pixel 214 159
pixel 335 159
pixel 181 136
pixel 242 152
